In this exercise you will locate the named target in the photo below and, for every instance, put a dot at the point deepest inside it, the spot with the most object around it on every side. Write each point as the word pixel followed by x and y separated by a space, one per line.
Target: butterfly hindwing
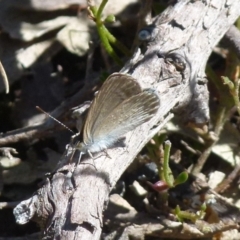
pixel 128 115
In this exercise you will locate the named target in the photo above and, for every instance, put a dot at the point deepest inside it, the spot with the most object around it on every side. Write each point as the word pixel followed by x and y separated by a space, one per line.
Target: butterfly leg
pixel 72 154
pixel 90 154
pixel 80 156
pixel 105 151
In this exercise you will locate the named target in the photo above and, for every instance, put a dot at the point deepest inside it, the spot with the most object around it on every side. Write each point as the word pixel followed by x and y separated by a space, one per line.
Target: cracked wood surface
pixel 70 206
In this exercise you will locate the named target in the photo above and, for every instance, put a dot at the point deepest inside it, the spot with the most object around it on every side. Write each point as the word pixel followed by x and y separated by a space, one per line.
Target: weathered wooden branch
pixel 173 63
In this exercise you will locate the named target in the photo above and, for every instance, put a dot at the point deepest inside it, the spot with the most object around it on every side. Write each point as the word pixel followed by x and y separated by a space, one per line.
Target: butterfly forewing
pixel 130 114
pixel 116 89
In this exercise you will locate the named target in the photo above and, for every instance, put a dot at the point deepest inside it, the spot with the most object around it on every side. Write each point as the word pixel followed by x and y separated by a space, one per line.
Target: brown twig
pixel 221 118
pixel 225 184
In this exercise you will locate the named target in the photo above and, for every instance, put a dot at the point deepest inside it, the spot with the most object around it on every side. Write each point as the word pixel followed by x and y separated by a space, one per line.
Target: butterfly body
pixel 95 146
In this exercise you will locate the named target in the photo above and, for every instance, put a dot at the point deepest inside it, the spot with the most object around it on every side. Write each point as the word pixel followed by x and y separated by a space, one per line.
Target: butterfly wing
pixel 130 114
pixel 116 89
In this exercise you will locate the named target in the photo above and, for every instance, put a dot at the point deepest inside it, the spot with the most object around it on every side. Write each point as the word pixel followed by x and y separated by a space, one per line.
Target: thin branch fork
pixel 181 40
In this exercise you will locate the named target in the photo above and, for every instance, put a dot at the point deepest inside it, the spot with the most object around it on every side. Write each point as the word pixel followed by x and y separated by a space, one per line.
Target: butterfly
pixel 119 107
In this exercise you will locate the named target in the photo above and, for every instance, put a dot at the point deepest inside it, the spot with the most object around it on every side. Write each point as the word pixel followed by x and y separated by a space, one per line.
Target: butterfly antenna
pixel 41 110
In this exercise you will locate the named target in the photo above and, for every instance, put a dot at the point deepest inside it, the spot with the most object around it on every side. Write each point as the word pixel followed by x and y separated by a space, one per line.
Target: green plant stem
pixel 106 44
pixel 116 43
pixel 234 91
pixel 181 215
pixel 102 31
pixel 100 9
pixel 105 36
pixel 166 170
pixel 225 98
pixel 93 10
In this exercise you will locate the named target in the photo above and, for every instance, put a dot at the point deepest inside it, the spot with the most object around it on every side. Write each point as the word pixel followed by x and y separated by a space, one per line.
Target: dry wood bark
pixel 173 63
